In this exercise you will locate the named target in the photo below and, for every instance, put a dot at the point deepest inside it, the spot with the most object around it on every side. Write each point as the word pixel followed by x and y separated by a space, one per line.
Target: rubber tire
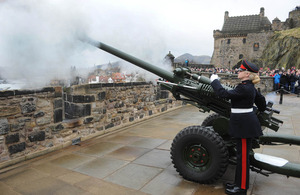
pixel 213 144
pixel 208 121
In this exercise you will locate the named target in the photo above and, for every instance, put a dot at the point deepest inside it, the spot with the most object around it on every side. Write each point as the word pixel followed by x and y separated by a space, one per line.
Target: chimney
pixel 226 16
pixel 262 12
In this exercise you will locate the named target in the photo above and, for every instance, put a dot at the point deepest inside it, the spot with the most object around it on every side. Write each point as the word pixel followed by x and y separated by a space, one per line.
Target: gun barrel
pixel 140 63
pixel 201 79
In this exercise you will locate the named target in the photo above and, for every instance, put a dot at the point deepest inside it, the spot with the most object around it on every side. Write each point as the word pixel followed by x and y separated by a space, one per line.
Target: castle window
pixel 255 46
pixel 228 41
pixel 244 40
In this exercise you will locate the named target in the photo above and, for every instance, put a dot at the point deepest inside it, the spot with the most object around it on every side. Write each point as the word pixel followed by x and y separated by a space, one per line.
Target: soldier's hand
pixel 214 77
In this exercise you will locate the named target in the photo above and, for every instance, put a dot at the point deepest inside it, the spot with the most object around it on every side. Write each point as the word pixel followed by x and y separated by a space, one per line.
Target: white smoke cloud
pixel 39 39
pixel 271 97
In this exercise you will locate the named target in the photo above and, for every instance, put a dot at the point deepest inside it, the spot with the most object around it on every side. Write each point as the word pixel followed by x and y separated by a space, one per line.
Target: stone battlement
pixel 40 121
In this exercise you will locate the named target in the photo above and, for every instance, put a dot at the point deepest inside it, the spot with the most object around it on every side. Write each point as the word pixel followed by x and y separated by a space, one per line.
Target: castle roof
pixel 246 24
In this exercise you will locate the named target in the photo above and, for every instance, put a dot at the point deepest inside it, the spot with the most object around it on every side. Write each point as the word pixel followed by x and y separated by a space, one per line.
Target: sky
pixel 39 39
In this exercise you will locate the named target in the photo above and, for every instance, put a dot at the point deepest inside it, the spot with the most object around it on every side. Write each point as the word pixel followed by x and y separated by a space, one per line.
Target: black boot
pixel 236 190
pixel 230 185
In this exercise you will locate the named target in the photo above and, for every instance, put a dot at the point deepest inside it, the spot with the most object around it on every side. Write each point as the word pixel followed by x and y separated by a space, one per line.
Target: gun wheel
pixel 208 121
pixel 199 154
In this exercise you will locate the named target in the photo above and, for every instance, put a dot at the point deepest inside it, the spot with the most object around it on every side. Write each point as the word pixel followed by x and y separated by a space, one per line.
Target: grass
pixel 295 32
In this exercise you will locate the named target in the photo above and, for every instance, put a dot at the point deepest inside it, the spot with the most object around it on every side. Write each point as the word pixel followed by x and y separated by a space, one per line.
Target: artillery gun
pixel 202 153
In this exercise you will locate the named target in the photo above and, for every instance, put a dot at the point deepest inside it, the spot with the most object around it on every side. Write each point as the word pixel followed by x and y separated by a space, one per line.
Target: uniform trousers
pixel 243 146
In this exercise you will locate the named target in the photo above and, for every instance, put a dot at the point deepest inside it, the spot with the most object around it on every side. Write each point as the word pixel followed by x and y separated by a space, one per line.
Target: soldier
pixel 244 124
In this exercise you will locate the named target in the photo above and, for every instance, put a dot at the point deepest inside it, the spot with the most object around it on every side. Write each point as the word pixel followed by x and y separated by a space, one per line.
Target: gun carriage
pixel 202 153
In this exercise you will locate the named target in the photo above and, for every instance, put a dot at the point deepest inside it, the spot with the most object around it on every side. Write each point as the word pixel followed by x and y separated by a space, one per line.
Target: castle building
pixel 169 59
pixel 242 37
pixel 245 37
pixel 293 21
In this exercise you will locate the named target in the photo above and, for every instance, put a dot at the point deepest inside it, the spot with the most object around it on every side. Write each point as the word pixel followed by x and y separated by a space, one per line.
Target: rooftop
pixel 246 24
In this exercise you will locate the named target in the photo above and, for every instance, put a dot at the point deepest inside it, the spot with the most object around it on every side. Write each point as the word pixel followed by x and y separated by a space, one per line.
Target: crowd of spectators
pixel 217 70
pixel 288 79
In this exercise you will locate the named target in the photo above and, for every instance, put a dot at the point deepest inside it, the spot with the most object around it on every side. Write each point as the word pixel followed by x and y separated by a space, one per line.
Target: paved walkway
pixel 137 160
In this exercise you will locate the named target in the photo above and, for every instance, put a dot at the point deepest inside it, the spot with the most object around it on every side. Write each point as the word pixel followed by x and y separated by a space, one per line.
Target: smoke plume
pixel 39 40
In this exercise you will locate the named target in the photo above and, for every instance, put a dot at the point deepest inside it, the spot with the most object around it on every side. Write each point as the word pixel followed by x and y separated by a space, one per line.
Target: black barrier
pixel 281 94
pixel 282 91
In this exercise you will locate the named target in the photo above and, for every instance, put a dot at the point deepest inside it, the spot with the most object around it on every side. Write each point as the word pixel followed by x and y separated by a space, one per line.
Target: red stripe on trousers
pixel 244 163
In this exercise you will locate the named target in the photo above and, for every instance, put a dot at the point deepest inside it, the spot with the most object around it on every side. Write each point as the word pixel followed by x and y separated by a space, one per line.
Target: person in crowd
pixel 244 124
pixel 297 84
pixel 293 80
pixel 272 73
pixel 186 62
pixel 288 73
pixel 284 82
pixel 277 81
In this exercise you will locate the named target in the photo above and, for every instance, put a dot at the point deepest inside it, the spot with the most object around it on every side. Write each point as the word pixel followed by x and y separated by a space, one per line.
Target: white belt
pixel 241 110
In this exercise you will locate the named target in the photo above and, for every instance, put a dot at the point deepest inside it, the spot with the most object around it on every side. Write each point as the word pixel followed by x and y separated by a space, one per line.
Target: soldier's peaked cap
pixel 246 65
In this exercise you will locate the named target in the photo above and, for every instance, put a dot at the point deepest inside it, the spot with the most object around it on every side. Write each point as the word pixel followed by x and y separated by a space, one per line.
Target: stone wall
pixel 229 49
pixel 294 16
pixel 33 122
pixel 27 119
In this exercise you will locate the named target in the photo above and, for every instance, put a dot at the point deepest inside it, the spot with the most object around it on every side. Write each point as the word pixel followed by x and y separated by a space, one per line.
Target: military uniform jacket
pixel 242 125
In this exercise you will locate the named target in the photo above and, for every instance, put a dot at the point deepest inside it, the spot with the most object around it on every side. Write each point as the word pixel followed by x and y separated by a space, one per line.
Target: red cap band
pixel 243 67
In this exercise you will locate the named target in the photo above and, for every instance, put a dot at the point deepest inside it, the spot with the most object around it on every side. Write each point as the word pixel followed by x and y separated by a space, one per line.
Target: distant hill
pixel 204 59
